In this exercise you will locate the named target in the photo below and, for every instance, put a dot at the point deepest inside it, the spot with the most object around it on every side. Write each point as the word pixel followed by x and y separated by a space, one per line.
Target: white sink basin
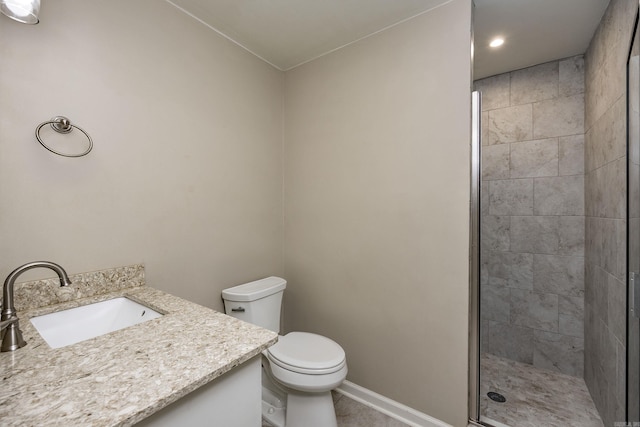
pixel 70 326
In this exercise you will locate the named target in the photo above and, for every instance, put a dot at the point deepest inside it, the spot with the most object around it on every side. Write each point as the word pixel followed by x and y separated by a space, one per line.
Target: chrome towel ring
pixel 62 124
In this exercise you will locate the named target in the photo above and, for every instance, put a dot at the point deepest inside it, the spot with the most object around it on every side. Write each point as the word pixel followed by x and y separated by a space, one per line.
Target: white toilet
pixel 300 370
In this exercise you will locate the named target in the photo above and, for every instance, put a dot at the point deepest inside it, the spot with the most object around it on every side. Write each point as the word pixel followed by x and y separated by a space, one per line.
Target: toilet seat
pixel 307 353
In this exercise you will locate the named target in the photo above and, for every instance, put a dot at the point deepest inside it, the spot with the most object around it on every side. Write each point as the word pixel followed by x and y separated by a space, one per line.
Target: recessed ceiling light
pixel 497 42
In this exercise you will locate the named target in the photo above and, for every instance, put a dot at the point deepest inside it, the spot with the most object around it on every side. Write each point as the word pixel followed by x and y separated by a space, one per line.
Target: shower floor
pixel 535 397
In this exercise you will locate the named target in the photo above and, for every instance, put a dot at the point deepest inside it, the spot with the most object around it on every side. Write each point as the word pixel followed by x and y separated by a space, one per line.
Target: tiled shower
pixel 532 237
pixel 553 214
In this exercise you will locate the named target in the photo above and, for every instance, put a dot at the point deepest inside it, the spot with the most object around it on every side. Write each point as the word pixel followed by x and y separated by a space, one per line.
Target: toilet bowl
pixel 300 370
pixel 307 362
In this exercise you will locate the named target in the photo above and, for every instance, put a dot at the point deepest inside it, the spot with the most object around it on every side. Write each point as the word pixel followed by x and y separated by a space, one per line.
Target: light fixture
pixel 25 11
pixel 497 42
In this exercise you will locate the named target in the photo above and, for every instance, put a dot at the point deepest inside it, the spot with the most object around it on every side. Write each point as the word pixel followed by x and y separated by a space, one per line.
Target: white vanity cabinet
pixel 232 400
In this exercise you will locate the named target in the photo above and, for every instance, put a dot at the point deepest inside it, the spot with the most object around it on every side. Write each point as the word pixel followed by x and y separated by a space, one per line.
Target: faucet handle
pixel 9 321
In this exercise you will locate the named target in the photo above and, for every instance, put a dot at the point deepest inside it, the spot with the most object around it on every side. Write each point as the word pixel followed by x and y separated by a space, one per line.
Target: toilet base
pixel 302 409
pixel 273 409
pixel 310 410
pixel 283 406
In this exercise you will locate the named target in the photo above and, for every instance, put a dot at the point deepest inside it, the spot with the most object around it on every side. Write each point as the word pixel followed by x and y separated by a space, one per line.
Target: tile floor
pixel 535 397
pixel 354 414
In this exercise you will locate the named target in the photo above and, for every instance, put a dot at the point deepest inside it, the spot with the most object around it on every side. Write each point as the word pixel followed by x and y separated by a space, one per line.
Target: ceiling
pixel 288 33
pixel 535 31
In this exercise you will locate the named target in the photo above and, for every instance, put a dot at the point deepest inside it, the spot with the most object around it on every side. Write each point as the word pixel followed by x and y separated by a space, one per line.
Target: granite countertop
pixel 122 377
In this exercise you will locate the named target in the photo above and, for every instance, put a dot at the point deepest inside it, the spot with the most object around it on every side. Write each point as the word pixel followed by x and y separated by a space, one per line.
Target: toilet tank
pixel 257 302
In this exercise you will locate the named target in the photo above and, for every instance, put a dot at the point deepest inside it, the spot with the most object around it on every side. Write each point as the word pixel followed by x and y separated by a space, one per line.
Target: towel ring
pixel 62 124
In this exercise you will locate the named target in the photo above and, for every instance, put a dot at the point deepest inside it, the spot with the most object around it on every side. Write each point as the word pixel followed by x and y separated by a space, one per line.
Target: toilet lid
pixel 307 353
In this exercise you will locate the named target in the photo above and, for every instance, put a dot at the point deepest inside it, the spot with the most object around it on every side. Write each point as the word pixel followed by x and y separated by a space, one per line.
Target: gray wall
pixel 185 174
pixel 533 215
pixel 605 195
pixel 376 247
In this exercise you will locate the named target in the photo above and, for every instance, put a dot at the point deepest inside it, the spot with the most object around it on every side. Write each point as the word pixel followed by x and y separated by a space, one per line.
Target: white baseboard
pixel 389 407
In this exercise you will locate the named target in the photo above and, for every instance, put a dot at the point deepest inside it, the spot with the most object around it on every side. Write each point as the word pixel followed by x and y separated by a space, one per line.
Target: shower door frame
pixel 474 261
pixel 632 398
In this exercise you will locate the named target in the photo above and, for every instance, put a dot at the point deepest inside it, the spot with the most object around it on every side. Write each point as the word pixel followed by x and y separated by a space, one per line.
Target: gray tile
pixel 484 128
pixel 572 306
pixel 543 311
pixel 514 270
pixel 619 389
pixel 610 246
pixel 592 195
pixel 571 76
pixel 535 397
pixel 589 292
pixel 495 162
pixel 634 368
pixel 560 275
pixel 604 146
pixel 634 110
pixel 350 413
pixel 534 158
pixel 606 354
pixel 590 244
pixel 511 341
pixel 519 307
pixel 561 195
pixel 605 190
pixel 634 194
pixel 571 232
pixel 597 96
pixel 621 250
pixel 571 316
pixel 559 353
pixel 484 336
pixel 534 310
pixel 597 231
pixel 484 269
pixel 495 302
pixel 571 326
pixel 484 197
pixel 535 234
pixel 495 91
pixel 613 35
pixel 617 308
pixel 494 233
pixel 571 155
pixel 533 84
pixel 558 117
pixel 608 53
pixel 511 124
pixel 511 197
pixel 600 290
pixel 605 141
pixel 634 245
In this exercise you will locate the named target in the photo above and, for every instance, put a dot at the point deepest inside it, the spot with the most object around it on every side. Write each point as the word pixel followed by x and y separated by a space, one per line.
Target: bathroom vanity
pixel 190 364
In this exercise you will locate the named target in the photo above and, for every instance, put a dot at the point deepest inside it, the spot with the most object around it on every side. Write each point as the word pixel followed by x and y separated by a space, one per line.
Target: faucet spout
pixel 12 336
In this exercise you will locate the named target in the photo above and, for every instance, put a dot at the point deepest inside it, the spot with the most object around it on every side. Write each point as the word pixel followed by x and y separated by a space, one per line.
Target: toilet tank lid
pixel 255 290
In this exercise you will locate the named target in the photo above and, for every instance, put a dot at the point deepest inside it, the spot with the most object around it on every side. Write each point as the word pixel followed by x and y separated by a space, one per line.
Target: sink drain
pixel 496 397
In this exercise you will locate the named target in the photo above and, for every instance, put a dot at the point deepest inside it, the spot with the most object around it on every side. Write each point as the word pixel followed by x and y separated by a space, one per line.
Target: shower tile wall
pixel 532 220
pixel 605 193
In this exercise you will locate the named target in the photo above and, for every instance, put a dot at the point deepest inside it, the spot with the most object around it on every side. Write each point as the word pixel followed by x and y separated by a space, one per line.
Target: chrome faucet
pixel 11 334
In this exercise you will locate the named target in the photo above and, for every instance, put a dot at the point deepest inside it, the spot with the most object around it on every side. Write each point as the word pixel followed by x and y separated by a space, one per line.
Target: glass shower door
pixel 633 231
